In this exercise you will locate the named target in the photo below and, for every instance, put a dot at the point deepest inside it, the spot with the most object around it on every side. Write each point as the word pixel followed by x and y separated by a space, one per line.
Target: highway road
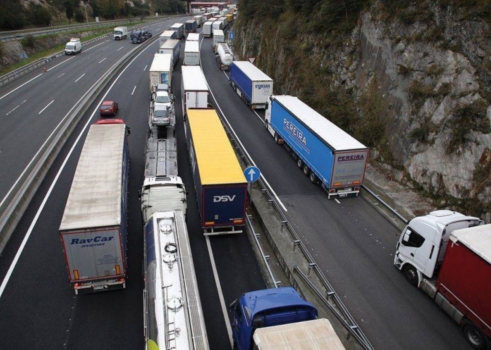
pixel 349 239
pixel 38 306
pixel 351 242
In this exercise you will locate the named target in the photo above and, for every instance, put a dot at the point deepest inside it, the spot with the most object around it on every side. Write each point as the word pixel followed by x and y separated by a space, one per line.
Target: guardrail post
pixel 311 267
pixel 283 224
pixel 296 243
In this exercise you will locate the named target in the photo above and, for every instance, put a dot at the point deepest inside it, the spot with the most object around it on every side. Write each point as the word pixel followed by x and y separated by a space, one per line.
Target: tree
pixel 39 15
pixel 69 10
pixel 11 15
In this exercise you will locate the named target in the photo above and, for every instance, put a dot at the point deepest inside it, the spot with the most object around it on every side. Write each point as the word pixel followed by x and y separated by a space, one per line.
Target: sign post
pixel 252 174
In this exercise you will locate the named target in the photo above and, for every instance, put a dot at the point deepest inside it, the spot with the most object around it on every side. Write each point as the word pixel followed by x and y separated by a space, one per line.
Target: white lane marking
pixel 219 289
pixel 103 60
pixel 80 77
pixel 62 74
pixel 144 69
pixel 41 207
pixel 133 91
pixel 42 110
pixel 238 140
pixel 59 64
pixel 13 110
pixel 122 47
pixel 337 201
pixel 18 87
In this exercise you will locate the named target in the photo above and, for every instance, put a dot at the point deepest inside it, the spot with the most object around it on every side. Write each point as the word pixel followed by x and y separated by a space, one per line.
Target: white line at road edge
pixel 41 207
pixel 219 289
pixel 238 140
pixel 18 87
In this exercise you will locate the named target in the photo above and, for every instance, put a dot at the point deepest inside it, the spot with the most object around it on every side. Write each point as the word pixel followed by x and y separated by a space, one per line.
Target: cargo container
pixel 224 56
pixel 325 153
pixel 193 37
pixel 218 37
pixel 194 88
pixel 218 24
pixel 221 187
pixel 161 71
pixel 120 33
pixel 172 311
pixel 199 20
pixel 93 228
pixel 448 256
pixel 179 29
pixel 166 35
pixel 190 26
pixel 173 48
pixel 191 54
pixel 207 29
pixel 251 84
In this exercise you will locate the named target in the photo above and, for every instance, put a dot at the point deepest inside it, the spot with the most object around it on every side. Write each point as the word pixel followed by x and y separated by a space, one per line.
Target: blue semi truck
pixel 251 84
pixel 324 152
pixel 279 319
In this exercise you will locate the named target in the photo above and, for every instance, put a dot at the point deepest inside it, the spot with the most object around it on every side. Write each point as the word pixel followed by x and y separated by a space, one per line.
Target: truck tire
pixel 313 177
pixel 475 336
pixel 411 274
pixel 300 163
pixel 306 170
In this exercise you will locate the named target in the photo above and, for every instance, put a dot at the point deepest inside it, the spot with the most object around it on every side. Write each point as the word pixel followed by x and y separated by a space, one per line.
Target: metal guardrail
pixel 19 197
pixel 387 206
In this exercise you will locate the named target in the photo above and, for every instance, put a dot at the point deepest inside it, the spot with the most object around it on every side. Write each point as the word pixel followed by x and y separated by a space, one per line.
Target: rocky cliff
pixel 412 81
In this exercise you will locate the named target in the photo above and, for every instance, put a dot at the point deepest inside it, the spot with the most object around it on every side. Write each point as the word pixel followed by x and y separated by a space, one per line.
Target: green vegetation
pixel 28 41
pixel 469 118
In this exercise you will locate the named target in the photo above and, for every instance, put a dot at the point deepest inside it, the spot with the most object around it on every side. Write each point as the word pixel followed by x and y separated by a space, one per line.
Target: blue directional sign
pixel 231 35
pixel 252 173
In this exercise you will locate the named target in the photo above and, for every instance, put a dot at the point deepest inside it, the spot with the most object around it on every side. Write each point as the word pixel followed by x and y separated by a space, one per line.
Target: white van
pixel 120 33
pixel 73 47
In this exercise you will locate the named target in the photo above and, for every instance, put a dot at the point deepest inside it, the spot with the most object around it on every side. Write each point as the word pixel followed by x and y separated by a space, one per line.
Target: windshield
pixel 106 107
pixel 118 32
pixel 162 99
pixel 70 46
pixel 160 113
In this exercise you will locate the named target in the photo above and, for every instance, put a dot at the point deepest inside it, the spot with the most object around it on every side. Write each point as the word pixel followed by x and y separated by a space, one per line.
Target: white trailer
pixel 218 24
pixel 315 334
pixel 218 37
pixel 193 37
pixel 224 56
pixel 194 88
pixel 172 47
pixel 179 29
pixel 161 71
pixel 191 54
pixel 93 227
pixel 207 29
pixel 166 35
pixel 173 315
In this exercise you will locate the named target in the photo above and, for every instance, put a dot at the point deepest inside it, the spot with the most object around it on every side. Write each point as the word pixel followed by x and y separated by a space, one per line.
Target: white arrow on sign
pixel 251 173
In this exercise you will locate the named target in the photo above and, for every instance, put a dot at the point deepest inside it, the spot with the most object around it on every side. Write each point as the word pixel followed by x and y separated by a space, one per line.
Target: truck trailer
pixel 120 33
pixel 325 153
pixel 162 188
pixel 194 88
pixel 166 35
pixel 448 256
pixel 208 29
pixel 251 84
pixel 190 26
pixel 224 56
pixel 173 48
pixel 172 311
pixel 221 187
pixel 191 53
pixel 93 228
pixel 161 71
pixel 315 334
pixel 179 29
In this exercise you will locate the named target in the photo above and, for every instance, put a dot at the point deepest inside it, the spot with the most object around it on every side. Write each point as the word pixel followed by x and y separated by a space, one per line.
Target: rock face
pixel 434 76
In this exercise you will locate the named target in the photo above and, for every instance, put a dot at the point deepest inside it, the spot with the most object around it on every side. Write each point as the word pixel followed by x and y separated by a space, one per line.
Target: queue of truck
pixel 445 254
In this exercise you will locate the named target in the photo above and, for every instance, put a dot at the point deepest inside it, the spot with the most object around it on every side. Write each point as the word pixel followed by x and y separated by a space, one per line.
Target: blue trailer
pixel 267 308
pixel 324 152
pixel 221 187
pixel 251 84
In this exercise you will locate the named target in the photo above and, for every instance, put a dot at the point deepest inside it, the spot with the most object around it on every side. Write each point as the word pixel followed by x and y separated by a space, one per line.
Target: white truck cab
pixel 120 33
pixel 73 47
pixel 423 242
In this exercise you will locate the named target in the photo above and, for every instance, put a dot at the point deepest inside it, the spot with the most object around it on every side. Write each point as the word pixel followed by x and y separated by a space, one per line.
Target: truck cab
pixel 423 242
pixel 266 308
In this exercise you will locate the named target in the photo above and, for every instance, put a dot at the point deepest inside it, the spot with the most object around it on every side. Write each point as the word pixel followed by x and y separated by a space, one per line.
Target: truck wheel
pixel 475 336
pixel 306 170
pixel 313 177
pixel 276 137
pixel 299 163
pixel 411 274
